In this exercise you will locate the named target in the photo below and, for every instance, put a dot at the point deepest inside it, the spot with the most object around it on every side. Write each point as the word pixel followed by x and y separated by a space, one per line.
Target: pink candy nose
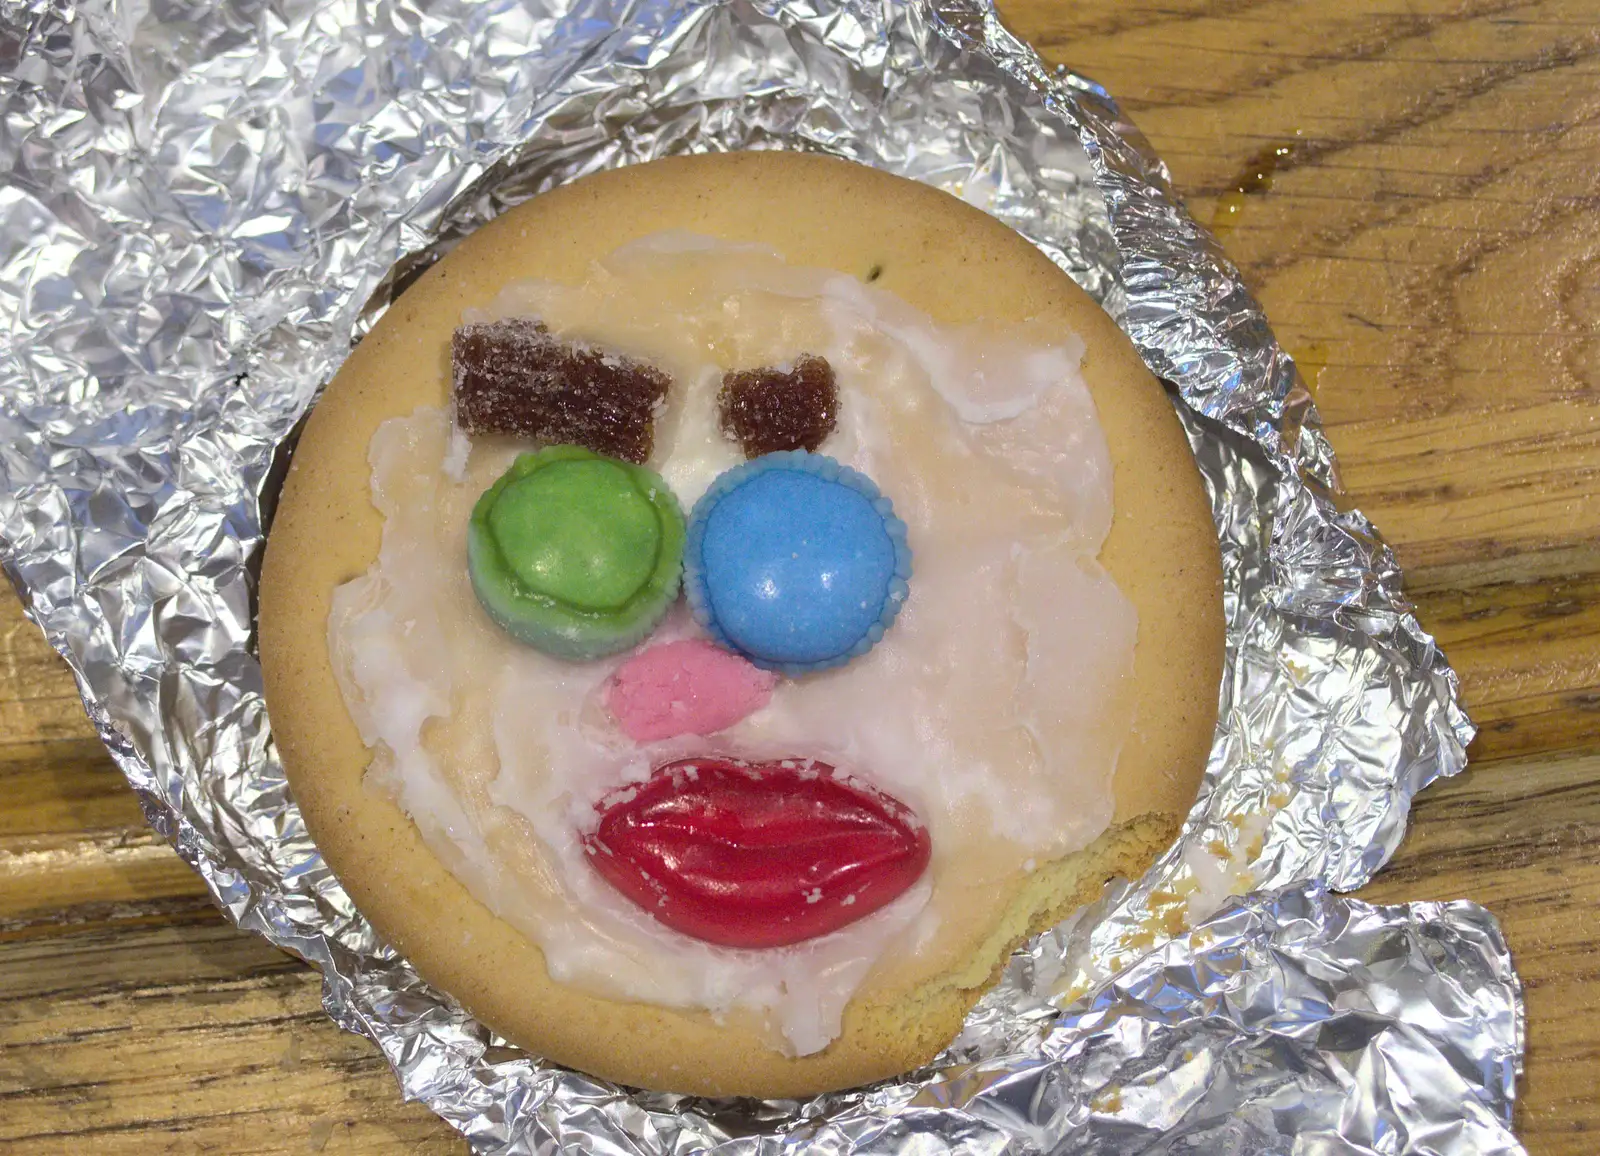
pixel 690 687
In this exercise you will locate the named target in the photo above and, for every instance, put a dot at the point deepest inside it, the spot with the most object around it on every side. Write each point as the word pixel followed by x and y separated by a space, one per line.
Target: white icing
pixel 991 707
pixel 457 455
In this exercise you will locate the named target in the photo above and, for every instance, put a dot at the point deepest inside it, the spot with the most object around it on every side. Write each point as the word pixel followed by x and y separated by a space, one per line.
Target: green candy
pixel 576 554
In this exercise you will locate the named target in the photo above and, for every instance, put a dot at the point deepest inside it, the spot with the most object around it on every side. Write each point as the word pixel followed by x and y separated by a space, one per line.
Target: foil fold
pixel 203 208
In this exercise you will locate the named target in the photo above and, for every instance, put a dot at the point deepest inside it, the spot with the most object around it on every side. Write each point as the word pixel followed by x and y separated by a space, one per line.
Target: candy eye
pixel 576 554
pixel 796 562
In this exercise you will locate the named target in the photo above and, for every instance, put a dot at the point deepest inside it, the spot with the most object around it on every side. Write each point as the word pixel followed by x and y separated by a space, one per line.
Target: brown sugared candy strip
pixel 768 410
pixel 515 377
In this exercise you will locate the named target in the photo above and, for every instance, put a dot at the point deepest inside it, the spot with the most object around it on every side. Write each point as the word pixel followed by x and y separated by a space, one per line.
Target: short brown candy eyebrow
pixel 769 410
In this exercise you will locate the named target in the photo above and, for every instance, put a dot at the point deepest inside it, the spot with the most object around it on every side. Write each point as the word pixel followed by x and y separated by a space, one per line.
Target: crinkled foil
pixel 204 205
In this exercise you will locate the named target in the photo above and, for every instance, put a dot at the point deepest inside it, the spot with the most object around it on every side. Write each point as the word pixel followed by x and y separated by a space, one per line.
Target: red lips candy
pixel 756 855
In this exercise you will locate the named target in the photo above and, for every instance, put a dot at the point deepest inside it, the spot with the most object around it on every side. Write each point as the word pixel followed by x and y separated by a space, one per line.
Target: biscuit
pixel 941 256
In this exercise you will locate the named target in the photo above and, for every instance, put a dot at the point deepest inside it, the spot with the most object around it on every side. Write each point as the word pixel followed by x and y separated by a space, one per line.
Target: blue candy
pixel 796 562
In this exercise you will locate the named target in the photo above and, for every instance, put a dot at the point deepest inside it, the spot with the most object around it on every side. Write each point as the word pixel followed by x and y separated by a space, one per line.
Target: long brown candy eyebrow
pixel 514 376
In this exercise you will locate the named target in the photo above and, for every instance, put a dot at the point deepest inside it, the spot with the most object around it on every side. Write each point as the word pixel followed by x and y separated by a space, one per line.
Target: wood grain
pixel 133 1017
pixel 1409 189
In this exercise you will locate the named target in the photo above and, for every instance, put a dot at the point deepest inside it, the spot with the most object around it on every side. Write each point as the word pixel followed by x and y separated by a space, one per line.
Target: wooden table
pixel 1411 190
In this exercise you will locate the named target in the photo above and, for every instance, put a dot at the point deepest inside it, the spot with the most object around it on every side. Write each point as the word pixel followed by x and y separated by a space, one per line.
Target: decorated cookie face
pixel 795 564
pixel 512 817
pixel 809 771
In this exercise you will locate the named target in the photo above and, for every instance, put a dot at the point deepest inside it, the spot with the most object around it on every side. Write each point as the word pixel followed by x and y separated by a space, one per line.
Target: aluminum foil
pixel 206 203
